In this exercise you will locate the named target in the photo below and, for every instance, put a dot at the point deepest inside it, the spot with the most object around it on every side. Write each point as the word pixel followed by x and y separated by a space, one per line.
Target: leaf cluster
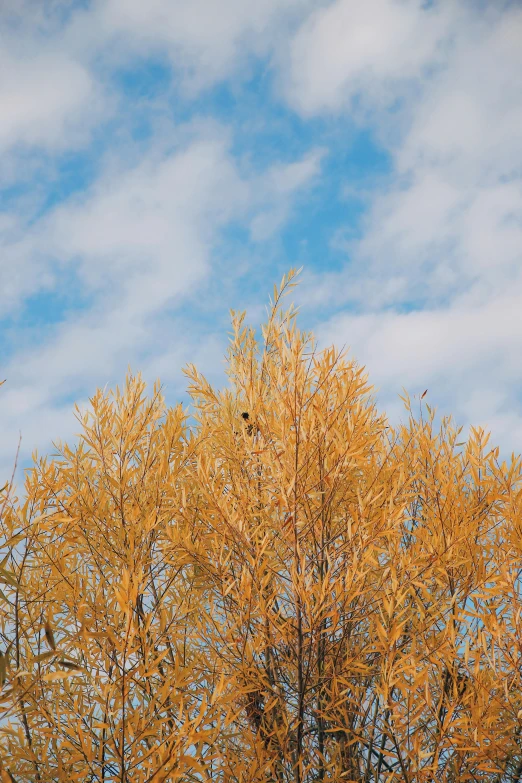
pixel 288 589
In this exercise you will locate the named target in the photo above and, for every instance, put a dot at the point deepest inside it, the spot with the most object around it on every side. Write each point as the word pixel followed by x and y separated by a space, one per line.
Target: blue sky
pixel 163 162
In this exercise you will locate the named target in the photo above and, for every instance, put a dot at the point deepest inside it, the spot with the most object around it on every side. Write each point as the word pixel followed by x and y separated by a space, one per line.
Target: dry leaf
pixel 49 635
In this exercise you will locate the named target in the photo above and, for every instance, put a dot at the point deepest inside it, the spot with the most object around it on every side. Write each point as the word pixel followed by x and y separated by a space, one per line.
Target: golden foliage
pixel 283 589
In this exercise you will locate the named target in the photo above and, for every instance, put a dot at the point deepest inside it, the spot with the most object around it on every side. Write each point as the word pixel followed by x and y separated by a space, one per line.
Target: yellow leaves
pixel 60 674
pixel 166 558
pixel 100 725
pixel 11 542
pixel 466 652
pixel 232 584
pixel 9 579
pixel 154 666
pixel 126 593
pixel 3 668
pixel 71 666
pixel 49 635
pixel 43 656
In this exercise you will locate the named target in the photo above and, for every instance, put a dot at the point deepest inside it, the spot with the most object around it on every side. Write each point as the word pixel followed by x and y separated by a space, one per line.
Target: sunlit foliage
pixel 283 588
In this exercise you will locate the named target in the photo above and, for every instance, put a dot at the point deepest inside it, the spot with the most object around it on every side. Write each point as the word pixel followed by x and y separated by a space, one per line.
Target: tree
pixel 107 683
pixel 287 590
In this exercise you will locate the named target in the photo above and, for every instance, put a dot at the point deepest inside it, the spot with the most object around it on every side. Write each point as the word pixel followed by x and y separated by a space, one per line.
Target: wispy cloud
pixel 47 100
pixel 435 275
pixel 275 190
pixel 347 54
pixel 132 218
pixel 205 42
pixel 136 244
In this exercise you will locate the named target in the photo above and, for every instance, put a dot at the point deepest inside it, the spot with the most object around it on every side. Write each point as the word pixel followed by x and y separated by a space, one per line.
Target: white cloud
pixel 57 57
pixel 441 89
pixel 443 235
pixel 205 41
pixel 287 178
pixel 50 97
pixel 275 189
pixel 455 214
pixel 466 355
pixel 24 271
pixel 365 49
pixel 152 222
pixel 141 240
pixel 442 343
pixel 47 100
pixel 137 241
pixel 470 114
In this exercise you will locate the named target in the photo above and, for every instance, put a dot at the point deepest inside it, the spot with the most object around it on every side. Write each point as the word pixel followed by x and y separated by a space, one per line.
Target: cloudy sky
pixel 164 161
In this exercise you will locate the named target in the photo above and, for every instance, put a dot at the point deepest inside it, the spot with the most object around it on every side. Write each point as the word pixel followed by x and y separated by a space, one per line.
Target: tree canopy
pixel 283 587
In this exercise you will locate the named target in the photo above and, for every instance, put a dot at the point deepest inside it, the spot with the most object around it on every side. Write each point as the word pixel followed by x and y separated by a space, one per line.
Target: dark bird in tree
pixel 251 429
